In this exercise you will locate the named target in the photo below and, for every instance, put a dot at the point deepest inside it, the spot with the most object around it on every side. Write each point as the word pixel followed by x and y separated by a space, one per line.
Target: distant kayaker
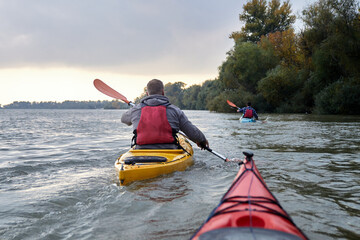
pixel 248 111
pixel 156 121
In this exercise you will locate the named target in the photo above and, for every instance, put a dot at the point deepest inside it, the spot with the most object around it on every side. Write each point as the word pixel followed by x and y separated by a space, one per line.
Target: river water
pixel 57 176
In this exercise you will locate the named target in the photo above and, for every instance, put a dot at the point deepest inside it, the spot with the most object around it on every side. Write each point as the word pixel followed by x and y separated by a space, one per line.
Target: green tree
pixel 245 66
pixel 279 85
pixel 331 41
pixel 238 96
pixel 210 89
pixel 174 91
pixel 190 96
pixel 340 97
pixel 261 19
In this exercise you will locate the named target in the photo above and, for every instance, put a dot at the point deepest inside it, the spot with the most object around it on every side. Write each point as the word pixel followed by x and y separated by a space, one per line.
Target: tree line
pixel 278 70
pixel 67 105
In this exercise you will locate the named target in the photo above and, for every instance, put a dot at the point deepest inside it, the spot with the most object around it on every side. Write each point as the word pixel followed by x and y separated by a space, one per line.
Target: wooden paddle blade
pixel 231 104
pixel 105 89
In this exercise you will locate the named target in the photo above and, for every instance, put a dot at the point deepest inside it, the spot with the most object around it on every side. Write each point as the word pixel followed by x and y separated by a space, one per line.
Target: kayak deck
pixel 141 164
pixel 247 120
pixel 249 210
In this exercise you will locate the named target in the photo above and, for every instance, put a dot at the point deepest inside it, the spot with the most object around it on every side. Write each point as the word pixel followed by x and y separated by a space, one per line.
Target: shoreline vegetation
pixel 279 70
pixel 67 105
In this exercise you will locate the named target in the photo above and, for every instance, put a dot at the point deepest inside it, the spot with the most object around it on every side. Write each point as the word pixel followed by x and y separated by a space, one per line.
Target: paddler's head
pixel 155 86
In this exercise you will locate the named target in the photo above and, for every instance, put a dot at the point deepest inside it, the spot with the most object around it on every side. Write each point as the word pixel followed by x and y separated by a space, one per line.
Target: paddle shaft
pixel 209 150
pixel 217 154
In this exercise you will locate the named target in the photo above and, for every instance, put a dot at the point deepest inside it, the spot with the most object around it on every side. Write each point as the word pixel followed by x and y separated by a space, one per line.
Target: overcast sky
pixel 52 50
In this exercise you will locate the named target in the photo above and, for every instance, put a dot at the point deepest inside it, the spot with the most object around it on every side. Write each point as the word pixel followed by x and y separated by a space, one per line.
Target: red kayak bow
pixel 248 210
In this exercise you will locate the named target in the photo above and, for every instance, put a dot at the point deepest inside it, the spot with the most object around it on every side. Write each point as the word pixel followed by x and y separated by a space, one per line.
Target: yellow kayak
pixel 141 164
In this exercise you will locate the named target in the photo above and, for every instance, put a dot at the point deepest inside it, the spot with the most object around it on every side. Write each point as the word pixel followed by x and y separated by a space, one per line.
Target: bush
pixel 340 97
pixel 279 85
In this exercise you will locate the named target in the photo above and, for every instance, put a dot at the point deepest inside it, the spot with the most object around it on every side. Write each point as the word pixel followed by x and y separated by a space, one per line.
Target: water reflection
pixel 161 189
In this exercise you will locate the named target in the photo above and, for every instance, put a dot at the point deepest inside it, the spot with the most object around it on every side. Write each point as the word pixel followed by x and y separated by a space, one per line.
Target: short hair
pixel 155 86
pixel 249 103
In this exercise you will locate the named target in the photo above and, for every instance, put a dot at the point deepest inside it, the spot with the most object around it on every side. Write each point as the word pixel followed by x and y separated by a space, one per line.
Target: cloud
pixel 121 35
pixel 51 50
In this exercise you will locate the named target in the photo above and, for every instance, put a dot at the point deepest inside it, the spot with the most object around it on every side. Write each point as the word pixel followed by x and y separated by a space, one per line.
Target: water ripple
pixel 57 179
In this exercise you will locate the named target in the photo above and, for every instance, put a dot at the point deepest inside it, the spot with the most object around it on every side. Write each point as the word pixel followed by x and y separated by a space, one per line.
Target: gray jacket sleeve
pixel 126 117
pixel 190 129
pixel 179 121
pixel 132 116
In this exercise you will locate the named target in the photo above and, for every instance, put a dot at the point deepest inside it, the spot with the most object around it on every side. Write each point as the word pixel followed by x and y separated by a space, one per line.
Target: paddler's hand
pixel 203 144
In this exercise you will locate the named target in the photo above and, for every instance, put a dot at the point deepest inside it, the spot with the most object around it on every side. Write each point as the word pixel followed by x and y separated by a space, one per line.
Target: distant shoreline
pixel 66 105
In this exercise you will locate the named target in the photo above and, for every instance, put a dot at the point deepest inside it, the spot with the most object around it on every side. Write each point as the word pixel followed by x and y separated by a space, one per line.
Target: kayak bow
pixel 248 210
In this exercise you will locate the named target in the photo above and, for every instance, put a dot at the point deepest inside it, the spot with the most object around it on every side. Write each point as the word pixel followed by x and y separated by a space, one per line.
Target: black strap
pixel 144 159
pixel 133 140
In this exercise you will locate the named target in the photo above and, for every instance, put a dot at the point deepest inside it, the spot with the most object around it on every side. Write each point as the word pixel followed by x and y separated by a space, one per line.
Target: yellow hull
pixel 173 160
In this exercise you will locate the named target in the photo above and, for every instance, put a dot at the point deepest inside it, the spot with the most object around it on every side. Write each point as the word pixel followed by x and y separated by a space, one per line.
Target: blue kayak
pixel 247 120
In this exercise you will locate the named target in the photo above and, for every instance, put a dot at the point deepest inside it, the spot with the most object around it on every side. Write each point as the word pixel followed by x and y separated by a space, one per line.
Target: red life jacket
pixel 248 113
pixel 154 127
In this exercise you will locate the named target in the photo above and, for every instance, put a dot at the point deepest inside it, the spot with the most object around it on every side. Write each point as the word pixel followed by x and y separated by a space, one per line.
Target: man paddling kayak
pixel 248 111
pixel 156 121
